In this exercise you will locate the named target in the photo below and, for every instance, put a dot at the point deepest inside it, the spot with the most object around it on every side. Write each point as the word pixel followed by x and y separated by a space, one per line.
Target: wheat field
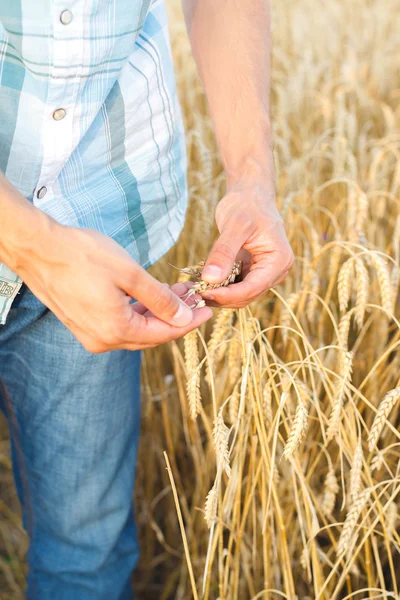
pixel 269 459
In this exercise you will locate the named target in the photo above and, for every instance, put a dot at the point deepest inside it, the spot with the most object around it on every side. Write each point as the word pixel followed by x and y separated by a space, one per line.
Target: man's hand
pixel 251 230
pixel 88 280
pixel 236 80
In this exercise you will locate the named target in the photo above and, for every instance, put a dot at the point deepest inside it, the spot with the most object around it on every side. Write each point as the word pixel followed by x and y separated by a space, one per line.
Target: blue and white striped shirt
pixel 90 125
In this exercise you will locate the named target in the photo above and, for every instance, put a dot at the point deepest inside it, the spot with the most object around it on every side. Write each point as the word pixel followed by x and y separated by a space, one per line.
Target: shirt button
pixel 42 192
pixel 59 114
pixel 66 17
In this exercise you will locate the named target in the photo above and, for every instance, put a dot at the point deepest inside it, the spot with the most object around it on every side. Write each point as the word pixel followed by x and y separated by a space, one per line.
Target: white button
pixel 59 114
pixel 66 17
pixel 42 192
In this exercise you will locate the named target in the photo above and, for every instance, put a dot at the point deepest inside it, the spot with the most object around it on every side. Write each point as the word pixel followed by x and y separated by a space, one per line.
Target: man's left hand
pixel 251 230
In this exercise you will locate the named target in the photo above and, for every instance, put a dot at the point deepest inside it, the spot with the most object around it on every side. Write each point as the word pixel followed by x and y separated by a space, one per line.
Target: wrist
pixel 254 167
pixel 26 238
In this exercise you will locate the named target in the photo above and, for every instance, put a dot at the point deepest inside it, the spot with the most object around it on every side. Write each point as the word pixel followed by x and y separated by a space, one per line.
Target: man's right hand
pixel 87 280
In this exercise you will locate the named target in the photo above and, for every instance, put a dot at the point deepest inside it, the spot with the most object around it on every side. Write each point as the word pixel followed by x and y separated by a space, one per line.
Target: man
pixel 93 191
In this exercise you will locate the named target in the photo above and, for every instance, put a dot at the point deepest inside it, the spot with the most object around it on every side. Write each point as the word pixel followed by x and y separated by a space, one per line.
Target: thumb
pixel 158 298
pixel 223 254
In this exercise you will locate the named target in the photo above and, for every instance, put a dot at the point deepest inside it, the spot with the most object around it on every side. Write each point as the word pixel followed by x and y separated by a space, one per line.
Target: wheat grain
pixel 341 390
pixel 192 373
pixel 343 329
pixel 221 437
pixel 344 284
pixel 346 536
pixel 305 558
pixel 297 431
pixel 234 360
pixel 211 506
pixel 377 462
pixel 331 488
pixel 392 516
pixel 203 286
pixel 384 410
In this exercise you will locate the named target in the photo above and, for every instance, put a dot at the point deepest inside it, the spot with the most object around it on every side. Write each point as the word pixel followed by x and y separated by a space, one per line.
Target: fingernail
pixel 183 315
pixel 212 273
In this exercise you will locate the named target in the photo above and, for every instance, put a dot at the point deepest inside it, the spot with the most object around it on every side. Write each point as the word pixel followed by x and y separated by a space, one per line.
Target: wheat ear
pixel 384 409
pixel 355 472
pixel 211 506
pixel 346 537
pixel 341 389
pixel 220 438
pixel 331 488
pixel 297 431
pixel 234 360
pixel 344 284
pixel 191 352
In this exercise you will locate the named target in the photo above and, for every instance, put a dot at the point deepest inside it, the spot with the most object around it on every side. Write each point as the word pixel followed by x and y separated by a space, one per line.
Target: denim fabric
pixel 74 437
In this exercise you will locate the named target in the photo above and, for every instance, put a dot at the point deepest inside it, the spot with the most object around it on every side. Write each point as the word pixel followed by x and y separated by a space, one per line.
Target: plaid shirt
pixel 90 126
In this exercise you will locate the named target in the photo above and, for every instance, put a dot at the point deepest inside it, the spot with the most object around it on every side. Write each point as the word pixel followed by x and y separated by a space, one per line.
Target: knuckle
pixel 118 332
pixel 94 346
pixel 288 259
pixel 223 250
pixel 165 302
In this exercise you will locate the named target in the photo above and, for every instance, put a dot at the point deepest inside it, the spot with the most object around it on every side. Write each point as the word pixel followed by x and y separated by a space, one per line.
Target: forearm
pixel 21 225
pixel 231 45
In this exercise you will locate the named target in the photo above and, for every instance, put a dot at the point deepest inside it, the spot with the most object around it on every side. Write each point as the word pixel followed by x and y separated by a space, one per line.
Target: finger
pixel 161 300
pixel 150 332
pixel 181 289
pixel 139 308
pixel 224 252
pixel 257 281
pixel 280 279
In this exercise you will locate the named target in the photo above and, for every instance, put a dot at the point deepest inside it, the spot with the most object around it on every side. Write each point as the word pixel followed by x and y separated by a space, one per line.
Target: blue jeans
pixel 74 428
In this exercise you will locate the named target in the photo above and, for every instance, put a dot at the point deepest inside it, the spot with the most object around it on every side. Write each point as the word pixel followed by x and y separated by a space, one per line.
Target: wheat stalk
pixel 267 401
pixel 384 282
pixel 286 314
pixel 233 406
pixel 217 345
pixel 355 473
pixel 362 288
